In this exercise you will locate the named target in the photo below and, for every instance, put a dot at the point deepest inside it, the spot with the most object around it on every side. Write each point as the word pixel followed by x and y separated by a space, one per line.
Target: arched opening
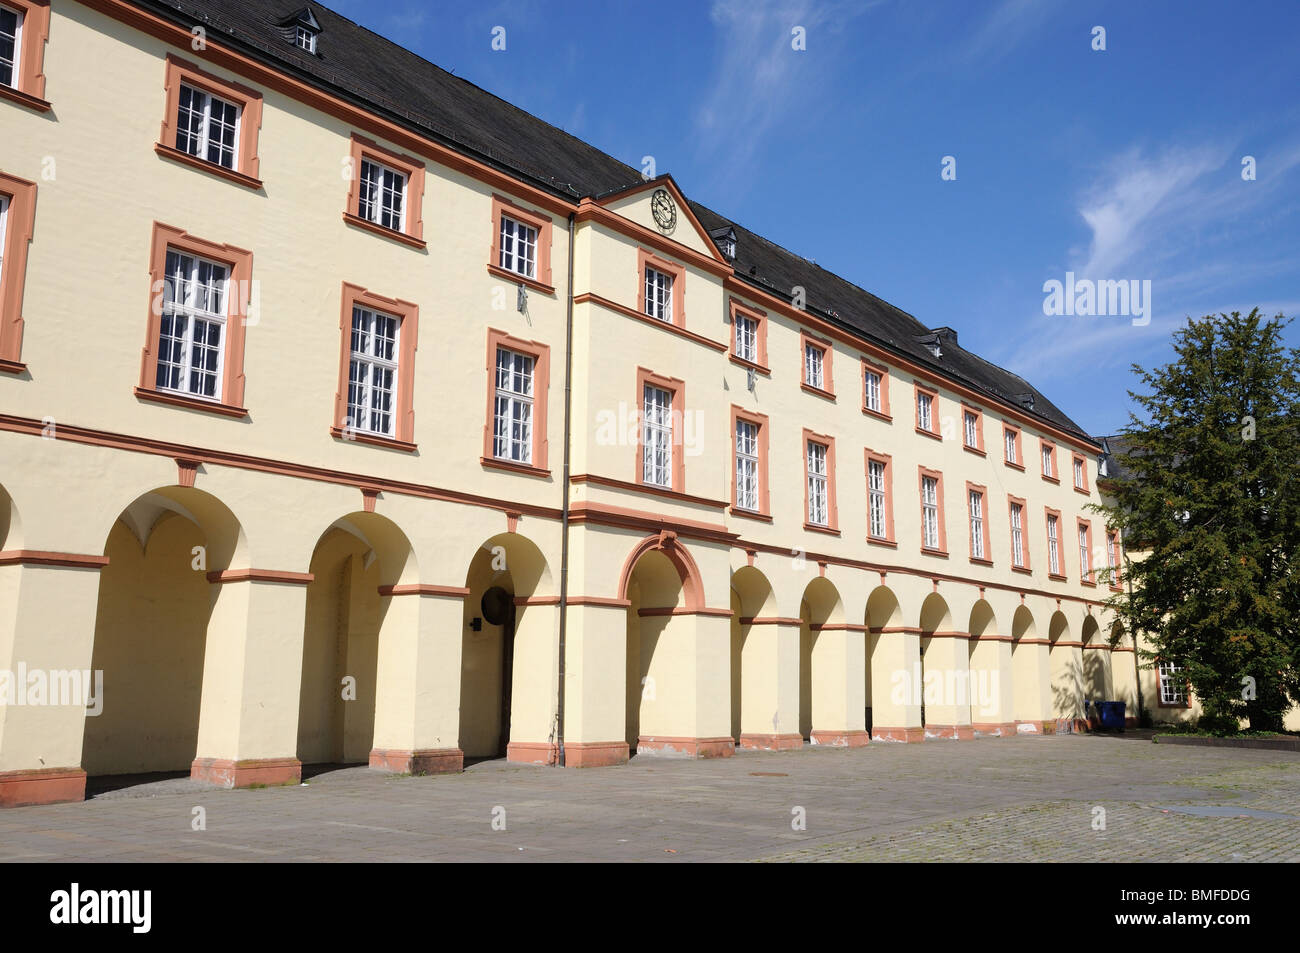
pixel 752 661
pixel 819 606
pixel 1028 675
pixel 342 630
pixel 506 663
pixel 151 624
pixel 986 672
pixel 1066 673
pixel 938 670
pixel 893 684
pixel 657 583
pixel 1097 682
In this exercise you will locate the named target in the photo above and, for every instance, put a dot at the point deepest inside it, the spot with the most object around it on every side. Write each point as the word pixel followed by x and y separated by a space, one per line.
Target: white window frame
pixel 512 406
pixel 975 501
pixel 816 454
pixel 873 382
pixel 657 436
pixel 878 501
pixel 930 512
pixel 1079 472
pixel 659 294
pixel 747 475
pixel 925 411
pixel 203 140
pixel 372 207
pixel 1173 690
pixel 1011 439
pixel 1048 471
pixel 970 426
pixel 519 247
pixel 1112 557
pixel 187 286
pixel 1017 536
pixel 371 363
pixel 1053 545
pixel 1085 553
pixel 814 365
pixel 16 66
pixel 4 225
pixel 303 32
pixel 746 338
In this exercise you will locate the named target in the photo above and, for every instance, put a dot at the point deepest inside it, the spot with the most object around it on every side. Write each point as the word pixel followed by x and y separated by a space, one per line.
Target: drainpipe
pixel 564 506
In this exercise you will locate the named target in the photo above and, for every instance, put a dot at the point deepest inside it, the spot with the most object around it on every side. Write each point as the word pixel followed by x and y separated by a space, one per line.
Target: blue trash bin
pixel 1111 715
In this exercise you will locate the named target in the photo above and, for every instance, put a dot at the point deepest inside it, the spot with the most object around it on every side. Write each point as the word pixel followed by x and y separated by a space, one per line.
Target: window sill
pixel 981 562
pixel 880 541
pixel 12 367
pixel 818 528
pixel 1116 588
pixel 506 275
pixel 25 99
pixel 1016 466
pixel 1022 569
pixel 878 415
pixel 1088 582
pixel 356 436
pixel 975 450
pixel 809 388
pixel 192 403
pixel 928 433
pixel 1057 577
pixel 750 514
pixel 751 365
pixel 926 551
pixel 1052 479
pixel 525 469
pixel 1084 490
pixel 405 239
pixel 221 172
pixel 587 297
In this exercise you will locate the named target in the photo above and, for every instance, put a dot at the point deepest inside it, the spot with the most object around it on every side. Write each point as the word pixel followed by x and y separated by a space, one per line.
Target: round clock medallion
pixel 664 210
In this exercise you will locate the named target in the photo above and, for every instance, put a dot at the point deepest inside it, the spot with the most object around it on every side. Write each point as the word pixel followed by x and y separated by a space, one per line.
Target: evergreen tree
pixel 1208 501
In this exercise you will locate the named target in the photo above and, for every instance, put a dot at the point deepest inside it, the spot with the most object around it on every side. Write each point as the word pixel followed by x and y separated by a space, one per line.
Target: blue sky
pixel 1117 164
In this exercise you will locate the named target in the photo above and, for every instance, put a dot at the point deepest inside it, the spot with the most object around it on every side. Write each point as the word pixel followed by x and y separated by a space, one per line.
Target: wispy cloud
pixel 1005 27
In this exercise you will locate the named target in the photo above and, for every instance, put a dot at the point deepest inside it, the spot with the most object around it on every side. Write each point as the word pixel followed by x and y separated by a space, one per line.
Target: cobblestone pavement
pixel 998 799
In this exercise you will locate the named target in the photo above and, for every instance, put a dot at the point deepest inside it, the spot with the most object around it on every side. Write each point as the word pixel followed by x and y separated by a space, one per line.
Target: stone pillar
pixel 992 688
pixel 252 675
pixel 769 700
pixel 1123 667
pixel 896 684
pixel 417 707
pixel 48 603
pixel 533 690
pixel 947 688
pixel 595 673
pixel 1032 675
pixel 839 690
pixel 1067 686
pixel 690 714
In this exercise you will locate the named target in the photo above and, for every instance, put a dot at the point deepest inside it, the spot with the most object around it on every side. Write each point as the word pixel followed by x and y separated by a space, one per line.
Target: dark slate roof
pixel 376 73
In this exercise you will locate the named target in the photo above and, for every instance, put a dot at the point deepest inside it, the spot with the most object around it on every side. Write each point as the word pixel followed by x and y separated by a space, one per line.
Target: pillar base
pixel 884 733
pixel 42 786
pixel 1071 726
pixel 950 732
pixel 594 754
pixel 994 729
pixel 419 761
pixel 840 739
pixel 1035 727
pixel 770 742
pixel 242 774
pixel 659 746
pixel 533 752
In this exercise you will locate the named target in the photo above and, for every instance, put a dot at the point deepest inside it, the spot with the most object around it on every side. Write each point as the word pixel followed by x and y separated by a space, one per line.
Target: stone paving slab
pixel 993 799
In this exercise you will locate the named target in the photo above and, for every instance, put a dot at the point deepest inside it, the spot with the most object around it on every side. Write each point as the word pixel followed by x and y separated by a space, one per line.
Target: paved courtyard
pixel 997 799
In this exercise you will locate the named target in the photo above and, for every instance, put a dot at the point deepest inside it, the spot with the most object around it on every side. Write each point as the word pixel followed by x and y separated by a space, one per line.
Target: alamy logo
pixel 74 906
pixel 40 687
pixel 1085 297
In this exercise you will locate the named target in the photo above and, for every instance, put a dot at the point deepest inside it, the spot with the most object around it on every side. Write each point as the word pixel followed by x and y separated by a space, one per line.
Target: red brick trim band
pixel 884 733
pixel 418 761
pixel 950 732
pixel 420 589
pixel 241 774
pixel 594 754
pixel 994 729
pixel 260 575
pixel 770 742
pixel 686 747
pixel 533 752
pixel 42 786
pixel 840 739
pixel 36 557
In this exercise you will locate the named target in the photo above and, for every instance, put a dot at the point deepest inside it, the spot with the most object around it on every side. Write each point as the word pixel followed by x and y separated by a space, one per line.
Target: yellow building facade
pixel 327 436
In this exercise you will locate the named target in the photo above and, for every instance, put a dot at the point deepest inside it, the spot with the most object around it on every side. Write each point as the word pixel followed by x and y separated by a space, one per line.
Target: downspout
pixel 564 506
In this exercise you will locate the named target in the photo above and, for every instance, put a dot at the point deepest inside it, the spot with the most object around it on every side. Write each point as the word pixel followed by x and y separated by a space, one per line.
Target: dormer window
pixel 305 38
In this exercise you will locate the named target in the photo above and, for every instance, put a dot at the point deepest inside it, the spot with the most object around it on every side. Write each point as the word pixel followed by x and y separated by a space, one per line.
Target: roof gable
pixel 634 203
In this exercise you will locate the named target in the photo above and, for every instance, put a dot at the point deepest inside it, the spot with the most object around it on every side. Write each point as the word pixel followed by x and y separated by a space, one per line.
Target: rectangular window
pixel 976 500
pixel 878 508
pixel 1172 688
pixel 1049 470
pixel 305 39
pixel 657 436
pixel 1053 546
pixel 11 25
pixel 1112 558
pixel 372 372
pixel 4 221
pixel 1085 552
pixel 1080 473
pixel 659 294
pixel 1011 439
pixel 924 411
pixel 1017 535
pixel 382 199
pixel 929 512
pixel 872 384
pixel 813 371
pixel 746 337
pixel 818 492
pixel 518 247
pixel 192 327
pixel 971 426
pixel 207 127
pixel 747 465
pixel 512 415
